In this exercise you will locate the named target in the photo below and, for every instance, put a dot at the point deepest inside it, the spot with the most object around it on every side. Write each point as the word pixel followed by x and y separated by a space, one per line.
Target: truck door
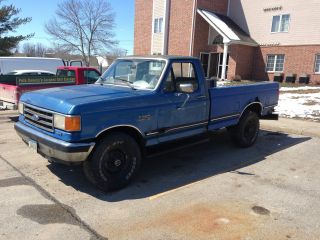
pixel 185 109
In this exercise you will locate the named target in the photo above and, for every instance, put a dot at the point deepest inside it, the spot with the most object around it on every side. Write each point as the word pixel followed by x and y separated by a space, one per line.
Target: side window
pixel 65 73
pixel 71 73
pixel 184 76
pixel 91 76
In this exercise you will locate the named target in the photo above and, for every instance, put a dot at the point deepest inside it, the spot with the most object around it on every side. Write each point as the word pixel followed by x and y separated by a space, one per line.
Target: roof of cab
pixel 75 68
pixel 166 57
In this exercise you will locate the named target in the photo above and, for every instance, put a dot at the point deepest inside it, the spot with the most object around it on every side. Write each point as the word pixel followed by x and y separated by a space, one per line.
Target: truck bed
pixel 228 102
pixel 13 86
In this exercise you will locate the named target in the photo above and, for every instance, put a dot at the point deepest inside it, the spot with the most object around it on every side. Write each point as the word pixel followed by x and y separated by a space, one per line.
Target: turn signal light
pixel 67 123
pixel 73 123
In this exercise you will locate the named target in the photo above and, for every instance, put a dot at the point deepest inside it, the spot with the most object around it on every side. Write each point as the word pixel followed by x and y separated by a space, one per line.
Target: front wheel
pixel 245 133
pixel 114 162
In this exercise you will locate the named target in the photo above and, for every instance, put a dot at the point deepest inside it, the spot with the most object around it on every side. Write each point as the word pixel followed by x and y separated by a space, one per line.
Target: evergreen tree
pixel 9 22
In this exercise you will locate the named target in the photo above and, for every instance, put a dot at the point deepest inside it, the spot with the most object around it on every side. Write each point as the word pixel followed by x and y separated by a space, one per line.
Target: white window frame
pixel 315 63
pixel 280 21
pixel 275 63
pixel 158 25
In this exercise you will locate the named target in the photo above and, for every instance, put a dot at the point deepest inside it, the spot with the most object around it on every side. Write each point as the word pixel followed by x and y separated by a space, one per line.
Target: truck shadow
pixel 182 167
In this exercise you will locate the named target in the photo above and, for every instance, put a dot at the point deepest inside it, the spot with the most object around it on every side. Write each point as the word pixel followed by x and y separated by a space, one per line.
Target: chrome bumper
pixel 52 148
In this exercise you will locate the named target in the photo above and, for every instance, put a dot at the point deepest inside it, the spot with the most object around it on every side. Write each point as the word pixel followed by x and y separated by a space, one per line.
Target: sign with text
pixel 32 80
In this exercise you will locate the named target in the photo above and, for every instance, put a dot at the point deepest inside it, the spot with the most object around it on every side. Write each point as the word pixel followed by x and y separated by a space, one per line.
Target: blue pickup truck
pixel 139 102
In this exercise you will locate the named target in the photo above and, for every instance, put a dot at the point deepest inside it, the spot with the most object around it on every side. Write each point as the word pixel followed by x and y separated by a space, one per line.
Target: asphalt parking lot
pixel 209 191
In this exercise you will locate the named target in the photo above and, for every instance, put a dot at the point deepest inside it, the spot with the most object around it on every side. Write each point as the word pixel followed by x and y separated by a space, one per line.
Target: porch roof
pixel 227 28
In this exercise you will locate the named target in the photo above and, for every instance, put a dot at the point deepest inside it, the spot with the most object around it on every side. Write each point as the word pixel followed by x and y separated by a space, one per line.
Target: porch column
pixel 224 61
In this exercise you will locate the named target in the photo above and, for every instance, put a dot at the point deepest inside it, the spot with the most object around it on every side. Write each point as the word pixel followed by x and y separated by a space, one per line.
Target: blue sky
pixel 43 10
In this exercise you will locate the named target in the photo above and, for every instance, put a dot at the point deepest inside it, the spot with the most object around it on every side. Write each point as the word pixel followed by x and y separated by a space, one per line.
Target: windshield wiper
pixel 101 82
pixel 127 83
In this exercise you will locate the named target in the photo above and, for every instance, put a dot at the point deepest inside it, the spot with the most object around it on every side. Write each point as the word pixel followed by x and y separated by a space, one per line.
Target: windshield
pixel 136 73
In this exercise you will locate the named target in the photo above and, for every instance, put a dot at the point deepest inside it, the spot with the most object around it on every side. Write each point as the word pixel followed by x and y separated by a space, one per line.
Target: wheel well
pixel 134 133
pixel 254 107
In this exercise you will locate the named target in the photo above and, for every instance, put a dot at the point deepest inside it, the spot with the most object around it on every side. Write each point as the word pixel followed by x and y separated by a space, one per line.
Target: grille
pixel 39 117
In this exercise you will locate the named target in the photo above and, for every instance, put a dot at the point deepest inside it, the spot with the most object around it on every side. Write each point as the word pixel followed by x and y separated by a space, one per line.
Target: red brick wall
pixel 180 27
pixel 241 61
pixel 219 6
pixel 142 27
pixel 202 27
pixel 298 60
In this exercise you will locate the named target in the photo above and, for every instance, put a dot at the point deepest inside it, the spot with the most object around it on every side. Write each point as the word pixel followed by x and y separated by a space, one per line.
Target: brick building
pixel 252 39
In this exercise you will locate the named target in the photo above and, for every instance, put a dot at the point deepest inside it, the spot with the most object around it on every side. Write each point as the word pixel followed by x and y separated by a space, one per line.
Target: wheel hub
pixel 117 162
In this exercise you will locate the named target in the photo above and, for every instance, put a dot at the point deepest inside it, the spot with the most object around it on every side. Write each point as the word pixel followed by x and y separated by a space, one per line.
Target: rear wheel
pixel 114 162
pixel 245 133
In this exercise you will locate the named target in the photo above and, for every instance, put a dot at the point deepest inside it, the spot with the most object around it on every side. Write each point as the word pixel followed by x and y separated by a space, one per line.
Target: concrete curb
pixel 293 126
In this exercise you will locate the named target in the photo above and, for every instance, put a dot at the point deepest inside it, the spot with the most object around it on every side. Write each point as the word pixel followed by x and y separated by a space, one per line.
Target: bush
pixel 236 78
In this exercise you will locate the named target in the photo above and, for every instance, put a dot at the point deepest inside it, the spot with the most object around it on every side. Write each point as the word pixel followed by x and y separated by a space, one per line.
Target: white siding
pixel 157 38
pixel 304 28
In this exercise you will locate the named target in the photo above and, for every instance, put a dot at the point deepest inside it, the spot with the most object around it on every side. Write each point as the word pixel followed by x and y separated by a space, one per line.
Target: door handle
pixel 184 103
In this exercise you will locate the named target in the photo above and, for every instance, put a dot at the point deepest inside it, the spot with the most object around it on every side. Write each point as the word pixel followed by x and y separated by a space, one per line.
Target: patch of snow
pixel 287 89
pixel 299 105
pixel 223 83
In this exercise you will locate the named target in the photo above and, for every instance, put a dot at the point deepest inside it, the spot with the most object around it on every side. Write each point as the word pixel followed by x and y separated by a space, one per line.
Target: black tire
pixel 114 162
pixel 246 132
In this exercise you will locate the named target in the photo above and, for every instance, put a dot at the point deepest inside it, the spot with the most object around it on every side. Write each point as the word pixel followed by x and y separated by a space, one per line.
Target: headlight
pixel 67 123
pixel 20 107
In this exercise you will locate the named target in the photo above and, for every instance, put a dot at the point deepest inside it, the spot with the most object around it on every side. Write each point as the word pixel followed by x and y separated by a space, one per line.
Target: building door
pixel 204 57
pixel 213 69
pixel 215 65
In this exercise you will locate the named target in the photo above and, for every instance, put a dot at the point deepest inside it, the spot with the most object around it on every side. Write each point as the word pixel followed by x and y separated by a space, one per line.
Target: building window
pixel 280 23
pixel 275 63
pixel 317 64
pixel 157 25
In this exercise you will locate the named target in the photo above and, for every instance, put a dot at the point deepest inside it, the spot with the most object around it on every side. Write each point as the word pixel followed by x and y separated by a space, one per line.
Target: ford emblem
pixel 35 117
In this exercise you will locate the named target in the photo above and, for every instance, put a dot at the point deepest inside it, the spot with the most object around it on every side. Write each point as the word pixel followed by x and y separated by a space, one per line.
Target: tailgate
pixel 9 93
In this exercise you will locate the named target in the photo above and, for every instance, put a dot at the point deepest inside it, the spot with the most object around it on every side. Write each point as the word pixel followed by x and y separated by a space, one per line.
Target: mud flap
pixel 271 116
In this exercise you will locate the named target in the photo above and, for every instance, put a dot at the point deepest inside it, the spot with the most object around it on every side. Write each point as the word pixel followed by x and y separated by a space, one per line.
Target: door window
pixel 181 74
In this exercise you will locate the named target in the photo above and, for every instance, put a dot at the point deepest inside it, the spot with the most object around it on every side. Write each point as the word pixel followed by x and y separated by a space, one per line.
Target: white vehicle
pixel 32 73
pixel 10 64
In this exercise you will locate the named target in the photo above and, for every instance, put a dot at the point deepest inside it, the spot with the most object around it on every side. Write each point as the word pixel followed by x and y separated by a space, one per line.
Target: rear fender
pixel 254 107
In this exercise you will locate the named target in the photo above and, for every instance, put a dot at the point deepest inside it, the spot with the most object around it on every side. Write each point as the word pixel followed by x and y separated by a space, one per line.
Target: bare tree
pixel 117 52
pixel 83 27
pixel 34 50
pixel 29 49
pixel 40 50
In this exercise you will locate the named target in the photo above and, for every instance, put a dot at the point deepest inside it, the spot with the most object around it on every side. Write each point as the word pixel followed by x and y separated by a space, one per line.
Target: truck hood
pixel 65 99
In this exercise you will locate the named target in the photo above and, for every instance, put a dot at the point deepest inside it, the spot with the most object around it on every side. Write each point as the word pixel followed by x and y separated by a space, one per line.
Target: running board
pixel 178 145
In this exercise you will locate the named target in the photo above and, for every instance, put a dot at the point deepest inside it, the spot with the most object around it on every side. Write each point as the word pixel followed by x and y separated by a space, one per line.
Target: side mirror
pixel 185 87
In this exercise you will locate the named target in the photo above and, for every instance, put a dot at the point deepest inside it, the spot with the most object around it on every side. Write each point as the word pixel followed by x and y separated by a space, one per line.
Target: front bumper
pixel 52 148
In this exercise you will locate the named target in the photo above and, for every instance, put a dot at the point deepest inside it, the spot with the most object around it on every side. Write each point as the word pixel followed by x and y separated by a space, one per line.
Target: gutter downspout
pixel 228 11
pixel 166 27
pixel 195 3
pixel 152 29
